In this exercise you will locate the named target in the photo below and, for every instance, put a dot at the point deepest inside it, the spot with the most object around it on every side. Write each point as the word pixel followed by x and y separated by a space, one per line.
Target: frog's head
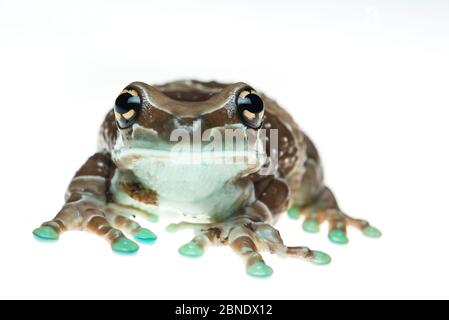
pixel 168 127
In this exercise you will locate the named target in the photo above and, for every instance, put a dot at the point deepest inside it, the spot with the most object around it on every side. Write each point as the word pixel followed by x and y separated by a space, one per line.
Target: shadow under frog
pixel 227 196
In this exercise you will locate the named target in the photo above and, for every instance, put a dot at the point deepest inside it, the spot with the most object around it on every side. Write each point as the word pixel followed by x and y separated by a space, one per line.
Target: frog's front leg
pixel 87 209
pixel 248 233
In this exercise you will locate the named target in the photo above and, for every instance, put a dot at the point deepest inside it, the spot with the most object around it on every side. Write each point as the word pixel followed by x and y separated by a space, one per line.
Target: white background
pixel 368 80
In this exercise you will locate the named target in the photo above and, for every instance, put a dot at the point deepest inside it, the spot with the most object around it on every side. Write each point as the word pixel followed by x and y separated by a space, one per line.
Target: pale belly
pixel 196 197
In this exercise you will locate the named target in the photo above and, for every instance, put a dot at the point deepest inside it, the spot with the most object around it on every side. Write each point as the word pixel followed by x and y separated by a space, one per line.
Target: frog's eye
pixel 127 108
pixel 250 108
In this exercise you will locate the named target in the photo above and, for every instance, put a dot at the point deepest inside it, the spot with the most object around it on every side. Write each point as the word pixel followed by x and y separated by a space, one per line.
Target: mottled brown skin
pixel 297 181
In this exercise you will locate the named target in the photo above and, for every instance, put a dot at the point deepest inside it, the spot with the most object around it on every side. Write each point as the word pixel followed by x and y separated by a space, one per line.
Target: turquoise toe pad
pixel 372 232
pixel 259 270
pixel 311 226
pixel 125 246
pixel 320 258
pixel 338 237
pixel 293 213
pixel 191 249
pixel 144 235
pixel 46 233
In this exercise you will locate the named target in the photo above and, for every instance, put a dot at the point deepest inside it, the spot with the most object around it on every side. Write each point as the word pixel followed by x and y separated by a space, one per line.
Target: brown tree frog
pixel 251 164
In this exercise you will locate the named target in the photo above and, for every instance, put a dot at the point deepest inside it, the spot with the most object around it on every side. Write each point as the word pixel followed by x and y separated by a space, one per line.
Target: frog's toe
pixel 338 236
pixel 123 245
pixel 371 232
pixel 46 233
pixel 311 226
pixel 195 248
pixel 294 213
pixel 259 269
pixel 144 235
pixel 245 245
pixel 131 227
pixel 314 256
pixel 320 258
pixel 191 250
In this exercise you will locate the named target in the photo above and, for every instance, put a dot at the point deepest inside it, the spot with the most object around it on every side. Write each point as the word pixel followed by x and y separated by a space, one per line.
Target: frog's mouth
pixel 157 162
pixel 129 158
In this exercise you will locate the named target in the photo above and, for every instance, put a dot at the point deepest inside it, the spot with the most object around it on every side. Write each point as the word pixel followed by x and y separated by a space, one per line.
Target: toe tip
pixel 145 236
pixel 338 237
pixel 46 234
pixel 259 270
pixel 372 232
pixel 293 213
pixel 311 226
pixel 191 250
pixel 321 258
pixel 124 246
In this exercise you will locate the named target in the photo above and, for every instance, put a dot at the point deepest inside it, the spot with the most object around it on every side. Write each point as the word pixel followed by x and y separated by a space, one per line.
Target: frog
pixel 228 195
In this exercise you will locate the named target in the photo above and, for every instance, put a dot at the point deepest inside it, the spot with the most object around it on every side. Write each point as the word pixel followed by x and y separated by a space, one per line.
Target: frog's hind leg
pixel 317 203
pixel 325 208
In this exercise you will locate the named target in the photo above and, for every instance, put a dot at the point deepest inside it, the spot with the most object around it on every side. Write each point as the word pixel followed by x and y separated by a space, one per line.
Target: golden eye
pixel 250 107
pixel 127 107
